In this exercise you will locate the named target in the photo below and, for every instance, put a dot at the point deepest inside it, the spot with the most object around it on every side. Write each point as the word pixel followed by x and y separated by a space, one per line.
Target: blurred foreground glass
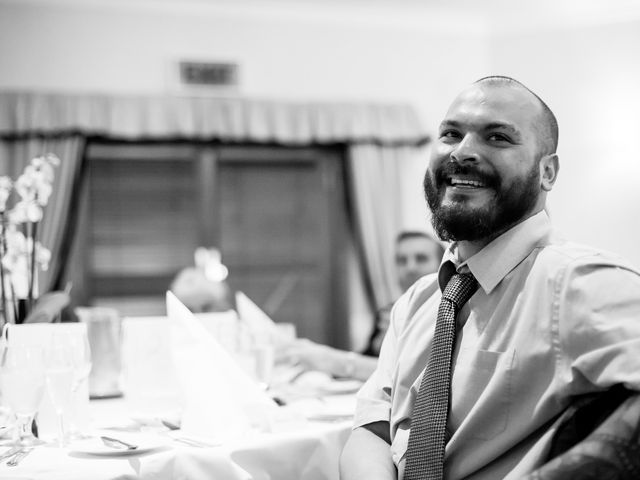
pixel 22 377
pixel 82 363
pixel 60 375
pixel 104 331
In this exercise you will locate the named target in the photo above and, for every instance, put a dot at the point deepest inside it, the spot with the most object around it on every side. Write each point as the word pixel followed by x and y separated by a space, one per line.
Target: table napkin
pixel 221 400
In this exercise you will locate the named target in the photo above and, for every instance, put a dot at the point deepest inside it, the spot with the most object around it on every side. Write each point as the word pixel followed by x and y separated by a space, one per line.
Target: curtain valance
pixel 205 118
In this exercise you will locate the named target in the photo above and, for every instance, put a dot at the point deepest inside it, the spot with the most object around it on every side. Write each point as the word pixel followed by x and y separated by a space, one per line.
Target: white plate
pixel 95 446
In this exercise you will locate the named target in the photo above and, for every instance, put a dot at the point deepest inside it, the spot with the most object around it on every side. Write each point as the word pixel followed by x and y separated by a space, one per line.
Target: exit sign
pixel 208 73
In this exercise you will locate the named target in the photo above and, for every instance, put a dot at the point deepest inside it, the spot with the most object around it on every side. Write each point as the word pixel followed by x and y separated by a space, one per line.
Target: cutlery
pixel 193 442
pixel 19 456
pixel 118 444
pixel 10 453
pixel 170 425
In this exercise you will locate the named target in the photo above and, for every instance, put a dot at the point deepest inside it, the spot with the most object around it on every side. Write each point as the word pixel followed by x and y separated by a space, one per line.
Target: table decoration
pixel 22 380
pixel 22 204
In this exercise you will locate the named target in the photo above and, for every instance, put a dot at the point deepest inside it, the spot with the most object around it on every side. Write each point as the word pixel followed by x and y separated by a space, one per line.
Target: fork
pixel 10 453
pixel 19 456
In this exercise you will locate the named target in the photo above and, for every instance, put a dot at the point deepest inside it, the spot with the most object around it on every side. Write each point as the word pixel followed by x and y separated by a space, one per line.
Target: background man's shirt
pixel 551 319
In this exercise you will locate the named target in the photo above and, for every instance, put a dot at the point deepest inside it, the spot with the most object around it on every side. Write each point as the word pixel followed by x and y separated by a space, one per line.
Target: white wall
pixel 590 76
pixel 300 51
pixel 332 54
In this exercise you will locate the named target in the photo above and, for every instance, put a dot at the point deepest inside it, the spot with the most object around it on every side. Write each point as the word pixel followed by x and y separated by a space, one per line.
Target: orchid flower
pixel 21 254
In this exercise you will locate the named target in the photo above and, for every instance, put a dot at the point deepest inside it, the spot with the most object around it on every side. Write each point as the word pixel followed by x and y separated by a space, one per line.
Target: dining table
pixel 159 426
pixel 295 448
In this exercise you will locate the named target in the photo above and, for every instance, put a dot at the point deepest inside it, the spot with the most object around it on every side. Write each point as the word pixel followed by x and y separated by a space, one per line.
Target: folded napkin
pixel 221 400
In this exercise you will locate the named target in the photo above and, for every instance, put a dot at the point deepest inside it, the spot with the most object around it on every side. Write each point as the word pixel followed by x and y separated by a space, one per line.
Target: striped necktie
pixel 425 450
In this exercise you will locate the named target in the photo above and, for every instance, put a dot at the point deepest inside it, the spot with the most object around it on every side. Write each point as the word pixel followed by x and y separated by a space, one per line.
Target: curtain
pixel 15 154
pixel 380 138
pixel 376 187
pixel 224 119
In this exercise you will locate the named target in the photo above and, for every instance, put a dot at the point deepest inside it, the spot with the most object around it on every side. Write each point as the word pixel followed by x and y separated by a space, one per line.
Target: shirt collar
pixel 491 264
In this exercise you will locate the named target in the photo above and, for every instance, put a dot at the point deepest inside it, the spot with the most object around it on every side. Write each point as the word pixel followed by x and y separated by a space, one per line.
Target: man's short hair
pixel 550 123
pixel 406 234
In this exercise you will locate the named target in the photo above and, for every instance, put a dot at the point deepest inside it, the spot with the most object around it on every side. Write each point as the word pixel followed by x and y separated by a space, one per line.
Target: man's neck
pixel 468 248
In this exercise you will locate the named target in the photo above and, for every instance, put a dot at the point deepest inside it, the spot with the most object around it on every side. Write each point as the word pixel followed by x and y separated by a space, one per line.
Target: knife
pixel 18 457
pixel 10 453
pixel 116 443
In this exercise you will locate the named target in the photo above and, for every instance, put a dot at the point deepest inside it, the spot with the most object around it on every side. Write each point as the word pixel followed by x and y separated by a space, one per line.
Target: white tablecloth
pixel 308 450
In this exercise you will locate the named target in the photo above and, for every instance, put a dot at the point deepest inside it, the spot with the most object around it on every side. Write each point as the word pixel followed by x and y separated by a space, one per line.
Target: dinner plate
pixel 95 446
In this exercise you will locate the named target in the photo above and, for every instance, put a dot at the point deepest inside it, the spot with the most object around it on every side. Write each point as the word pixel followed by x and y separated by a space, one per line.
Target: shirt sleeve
pixel 599 321
pixel 375 397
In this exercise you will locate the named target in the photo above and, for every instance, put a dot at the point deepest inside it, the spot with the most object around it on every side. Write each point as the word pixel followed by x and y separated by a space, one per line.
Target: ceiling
pixel 494 14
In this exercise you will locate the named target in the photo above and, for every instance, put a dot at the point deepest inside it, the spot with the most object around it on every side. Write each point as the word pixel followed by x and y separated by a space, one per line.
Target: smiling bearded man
pixel 482 358
pixel 460 171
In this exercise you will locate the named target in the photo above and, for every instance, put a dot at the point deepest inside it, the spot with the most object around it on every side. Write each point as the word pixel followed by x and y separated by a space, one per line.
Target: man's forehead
pixel 500 104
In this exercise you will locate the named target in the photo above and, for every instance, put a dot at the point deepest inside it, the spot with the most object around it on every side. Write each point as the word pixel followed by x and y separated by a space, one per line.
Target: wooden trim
pixel 151 151
pixel 259 153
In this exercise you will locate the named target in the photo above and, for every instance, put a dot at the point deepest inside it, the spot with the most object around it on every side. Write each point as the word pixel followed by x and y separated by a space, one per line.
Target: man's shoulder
pixel 561 254
pixel 419 293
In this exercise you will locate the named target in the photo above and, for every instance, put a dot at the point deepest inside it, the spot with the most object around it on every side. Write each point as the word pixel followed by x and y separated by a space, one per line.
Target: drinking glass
pixel 77 344
pixel 23 381
pixel 81 358
pixel 60 377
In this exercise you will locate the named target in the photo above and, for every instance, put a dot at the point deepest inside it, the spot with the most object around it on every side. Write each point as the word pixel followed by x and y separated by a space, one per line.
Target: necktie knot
pixel 460 288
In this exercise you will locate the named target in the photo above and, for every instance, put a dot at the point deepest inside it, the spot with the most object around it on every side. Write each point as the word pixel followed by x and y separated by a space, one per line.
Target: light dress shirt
pixel 550 319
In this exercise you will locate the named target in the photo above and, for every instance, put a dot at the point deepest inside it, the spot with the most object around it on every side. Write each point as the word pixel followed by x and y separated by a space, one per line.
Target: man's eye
pixel 449 134
pixel 499 137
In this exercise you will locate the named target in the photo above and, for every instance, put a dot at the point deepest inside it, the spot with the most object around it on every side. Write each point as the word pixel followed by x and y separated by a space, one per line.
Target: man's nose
pixel 466 151
pixel 412 265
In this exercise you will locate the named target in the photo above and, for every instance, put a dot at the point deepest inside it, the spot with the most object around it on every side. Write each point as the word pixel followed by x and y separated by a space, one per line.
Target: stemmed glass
pixel 81 358
pixel 22 377
pixel 81 352
pixel 60 378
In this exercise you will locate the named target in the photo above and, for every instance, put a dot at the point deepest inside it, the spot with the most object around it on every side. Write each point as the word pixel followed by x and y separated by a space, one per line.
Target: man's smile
pixel 465 182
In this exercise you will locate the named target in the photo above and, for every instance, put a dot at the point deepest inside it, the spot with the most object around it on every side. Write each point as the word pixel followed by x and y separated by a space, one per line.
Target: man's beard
pixel 507 207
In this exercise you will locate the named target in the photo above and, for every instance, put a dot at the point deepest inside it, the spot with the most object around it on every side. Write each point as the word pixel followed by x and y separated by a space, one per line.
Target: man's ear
pixel 549 167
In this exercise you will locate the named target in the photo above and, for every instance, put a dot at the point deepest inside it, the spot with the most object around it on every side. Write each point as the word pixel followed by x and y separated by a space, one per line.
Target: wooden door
pixel 280 218
pixel 277 214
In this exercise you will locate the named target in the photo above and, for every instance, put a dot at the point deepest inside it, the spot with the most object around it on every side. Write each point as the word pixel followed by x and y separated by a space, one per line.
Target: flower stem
pixel 32 275
pixel 3 249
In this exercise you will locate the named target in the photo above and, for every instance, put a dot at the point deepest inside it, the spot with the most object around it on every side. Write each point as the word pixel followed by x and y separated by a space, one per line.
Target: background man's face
pixel 415 257
pixel 483 175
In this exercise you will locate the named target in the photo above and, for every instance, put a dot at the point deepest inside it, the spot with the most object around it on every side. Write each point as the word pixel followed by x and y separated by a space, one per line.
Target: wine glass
pixel 59 373
pixel 81 357
pixel 23 380
pixel 81 353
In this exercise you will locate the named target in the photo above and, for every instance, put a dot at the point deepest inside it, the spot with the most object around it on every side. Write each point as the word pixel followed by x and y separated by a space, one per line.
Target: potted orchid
pixel 22 205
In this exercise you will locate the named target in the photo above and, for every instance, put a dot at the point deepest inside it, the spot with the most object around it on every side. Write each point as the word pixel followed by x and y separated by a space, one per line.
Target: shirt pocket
pixel 482 393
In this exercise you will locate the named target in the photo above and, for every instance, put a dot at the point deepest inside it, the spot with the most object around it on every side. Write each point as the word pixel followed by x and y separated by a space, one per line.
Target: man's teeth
pixel 468 183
